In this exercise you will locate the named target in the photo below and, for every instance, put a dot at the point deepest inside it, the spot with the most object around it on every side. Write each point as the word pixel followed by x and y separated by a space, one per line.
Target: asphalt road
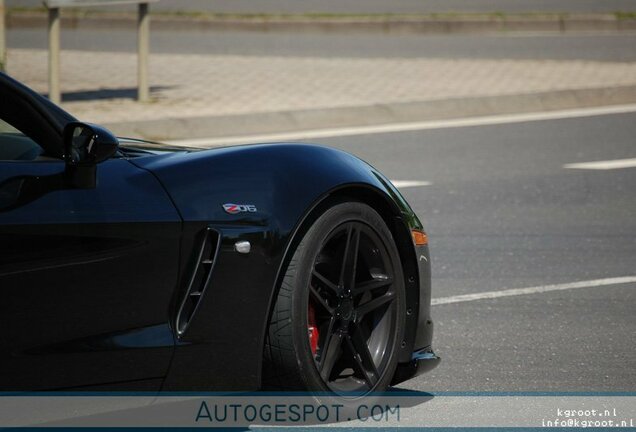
pixel 599 47
pixel 380 6
pixel 502 212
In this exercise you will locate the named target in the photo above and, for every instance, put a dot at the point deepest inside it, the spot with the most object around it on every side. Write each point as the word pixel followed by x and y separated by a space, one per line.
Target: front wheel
pixel 338 321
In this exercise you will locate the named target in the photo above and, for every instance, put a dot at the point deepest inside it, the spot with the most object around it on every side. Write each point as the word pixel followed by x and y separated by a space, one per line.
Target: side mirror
pixel 86 145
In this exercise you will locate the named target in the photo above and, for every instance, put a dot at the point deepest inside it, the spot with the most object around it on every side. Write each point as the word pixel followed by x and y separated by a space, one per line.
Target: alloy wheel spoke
pixel 350 259
pixel 326 281
pixel 330 352
pixel 377 282
pixel 354 260
pixel 374 304
pixel 362 357
pixel 320 299
pixel 324 343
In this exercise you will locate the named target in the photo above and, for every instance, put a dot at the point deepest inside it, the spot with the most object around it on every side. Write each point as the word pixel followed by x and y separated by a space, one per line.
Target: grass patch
pixel 625 15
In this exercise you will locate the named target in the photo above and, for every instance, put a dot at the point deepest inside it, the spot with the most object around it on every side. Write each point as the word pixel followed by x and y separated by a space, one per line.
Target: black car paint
pixel 93 296
pixel 81 270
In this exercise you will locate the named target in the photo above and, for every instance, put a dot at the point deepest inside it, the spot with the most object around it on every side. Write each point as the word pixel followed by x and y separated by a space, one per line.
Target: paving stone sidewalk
pixel 100 87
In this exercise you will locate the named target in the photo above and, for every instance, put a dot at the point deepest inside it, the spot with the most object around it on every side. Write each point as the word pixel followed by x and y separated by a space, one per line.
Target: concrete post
pixel 143 46
pixel 54 55
pixel 3 40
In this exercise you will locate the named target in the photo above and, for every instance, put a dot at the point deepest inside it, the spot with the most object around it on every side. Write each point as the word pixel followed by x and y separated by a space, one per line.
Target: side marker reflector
pixel 419 237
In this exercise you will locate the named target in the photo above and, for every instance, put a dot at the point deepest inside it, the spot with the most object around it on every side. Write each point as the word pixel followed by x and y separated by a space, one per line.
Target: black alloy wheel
pixel 338 321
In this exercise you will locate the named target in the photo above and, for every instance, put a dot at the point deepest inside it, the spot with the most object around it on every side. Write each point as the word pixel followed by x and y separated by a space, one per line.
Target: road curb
pixel 311 119
pixel 452 23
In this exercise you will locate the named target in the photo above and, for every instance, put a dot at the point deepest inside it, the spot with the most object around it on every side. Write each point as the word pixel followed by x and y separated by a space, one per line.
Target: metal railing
pixel 143 42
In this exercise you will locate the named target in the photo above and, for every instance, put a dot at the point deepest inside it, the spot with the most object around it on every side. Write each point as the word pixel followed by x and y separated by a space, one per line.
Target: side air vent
pixel 199 280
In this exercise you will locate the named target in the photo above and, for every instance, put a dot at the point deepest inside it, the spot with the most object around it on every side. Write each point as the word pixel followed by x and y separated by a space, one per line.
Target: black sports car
pixel 131 266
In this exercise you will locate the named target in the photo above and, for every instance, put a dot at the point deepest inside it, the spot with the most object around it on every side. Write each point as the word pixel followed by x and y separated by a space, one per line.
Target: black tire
pixel 370 308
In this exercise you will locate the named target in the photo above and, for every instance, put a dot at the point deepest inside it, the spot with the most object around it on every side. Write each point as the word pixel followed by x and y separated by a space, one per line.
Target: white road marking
pixel 401 184
pixel 405 127
pixel 603 165
pixel 532 290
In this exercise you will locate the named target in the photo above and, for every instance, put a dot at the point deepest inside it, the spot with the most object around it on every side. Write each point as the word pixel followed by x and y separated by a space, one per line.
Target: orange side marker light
pixel 419 237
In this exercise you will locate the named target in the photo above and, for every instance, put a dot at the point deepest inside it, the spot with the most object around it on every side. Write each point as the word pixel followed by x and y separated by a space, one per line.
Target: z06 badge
pixel 239 208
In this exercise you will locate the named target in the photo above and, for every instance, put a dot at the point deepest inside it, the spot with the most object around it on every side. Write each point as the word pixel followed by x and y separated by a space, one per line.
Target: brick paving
pixel 100 86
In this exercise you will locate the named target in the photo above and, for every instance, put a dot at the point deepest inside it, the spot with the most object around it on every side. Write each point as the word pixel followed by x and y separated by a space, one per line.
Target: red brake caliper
pixel 312 328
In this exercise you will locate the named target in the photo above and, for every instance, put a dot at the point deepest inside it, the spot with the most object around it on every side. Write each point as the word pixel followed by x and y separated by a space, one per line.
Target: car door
pixel 86 275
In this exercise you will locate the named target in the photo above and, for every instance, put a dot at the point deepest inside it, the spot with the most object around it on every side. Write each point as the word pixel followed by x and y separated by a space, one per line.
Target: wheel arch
pixel 393 217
